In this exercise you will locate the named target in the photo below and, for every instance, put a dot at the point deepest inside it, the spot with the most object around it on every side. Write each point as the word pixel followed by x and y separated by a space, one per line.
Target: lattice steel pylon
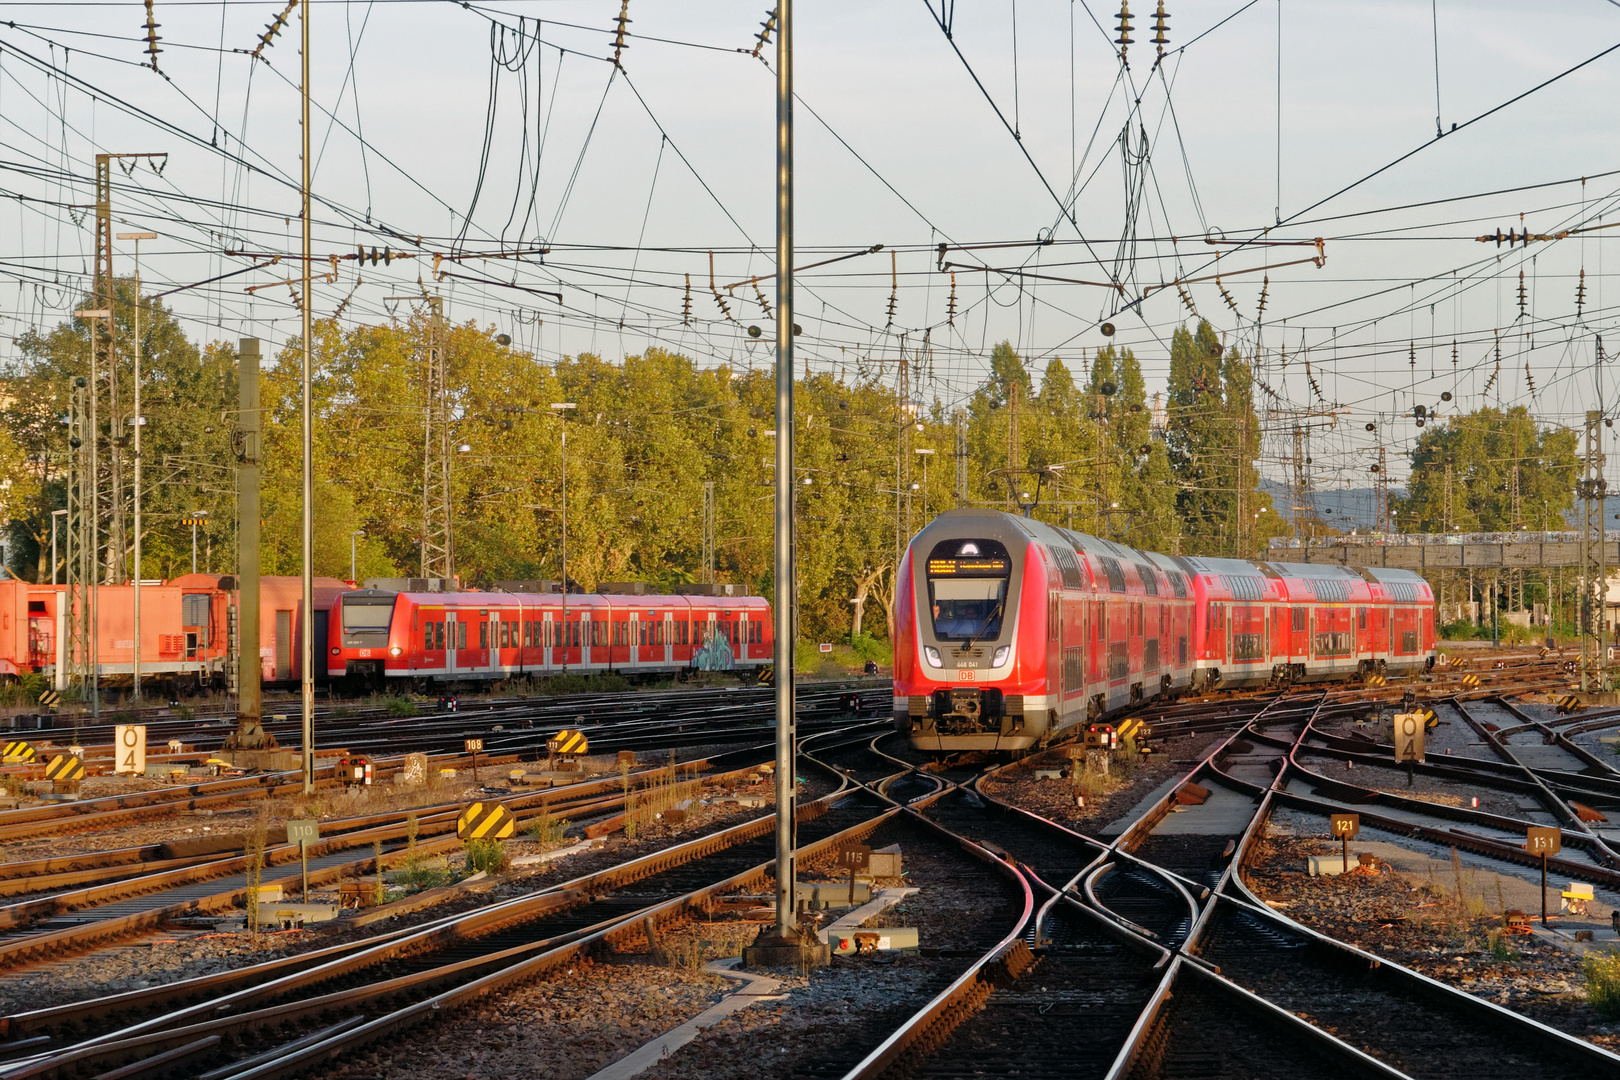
pixel 708 532
pixel 1594 578
pixel 73 662
pixel 1300 496
pixel 438 553
pixel 114 570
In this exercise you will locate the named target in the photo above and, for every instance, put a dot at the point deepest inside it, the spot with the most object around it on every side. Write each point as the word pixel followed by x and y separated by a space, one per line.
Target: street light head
pixel 563 405
pixel 137 236
pixel 92 313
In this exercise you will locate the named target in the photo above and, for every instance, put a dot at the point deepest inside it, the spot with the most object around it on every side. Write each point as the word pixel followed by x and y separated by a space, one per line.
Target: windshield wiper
pixel 988 619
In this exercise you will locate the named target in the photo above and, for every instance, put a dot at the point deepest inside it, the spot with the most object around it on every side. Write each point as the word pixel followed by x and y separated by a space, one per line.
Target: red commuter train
pixel 1008 631
pixel 379 638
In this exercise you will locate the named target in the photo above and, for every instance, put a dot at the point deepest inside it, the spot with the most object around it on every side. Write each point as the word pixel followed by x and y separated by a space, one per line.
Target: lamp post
pixel 137 421
pixel 562 408
pixel 54 515
pixel 93 654
pixel 352 535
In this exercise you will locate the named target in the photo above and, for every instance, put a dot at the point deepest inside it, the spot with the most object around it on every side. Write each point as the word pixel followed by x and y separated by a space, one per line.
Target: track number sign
pixel 303 831
pixel 854 858
pixel 1543 840
pixel 1409 731
pixel 129 748
pixel 1346 826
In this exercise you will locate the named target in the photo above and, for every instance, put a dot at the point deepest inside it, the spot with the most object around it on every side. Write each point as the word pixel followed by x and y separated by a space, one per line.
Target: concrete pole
pixel 248 670
pixel 783 585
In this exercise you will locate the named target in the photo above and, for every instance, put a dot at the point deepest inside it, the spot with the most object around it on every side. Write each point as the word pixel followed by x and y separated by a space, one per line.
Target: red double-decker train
pixel 379 638
pixel 1008 631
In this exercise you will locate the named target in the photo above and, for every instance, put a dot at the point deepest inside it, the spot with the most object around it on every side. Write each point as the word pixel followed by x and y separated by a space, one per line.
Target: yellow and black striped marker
pixel 1375 680
pixel 1542 652
pixel 1459 661
pixel 1569 703
pixel 1471 681
pixel 50 699
pixel 568 741
pixel 17 750
pixel 1133 728
pixel 767 676
pixel 64 767
pixel 1431 720
pixel 485 821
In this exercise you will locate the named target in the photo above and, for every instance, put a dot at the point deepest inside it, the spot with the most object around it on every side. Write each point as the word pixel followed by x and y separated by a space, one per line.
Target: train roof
pixel 621 601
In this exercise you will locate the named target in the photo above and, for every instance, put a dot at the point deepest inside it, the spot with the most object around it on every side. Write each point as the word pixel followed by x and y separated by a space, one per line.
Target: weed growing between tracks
pixel 1446 922
pixel 1602 971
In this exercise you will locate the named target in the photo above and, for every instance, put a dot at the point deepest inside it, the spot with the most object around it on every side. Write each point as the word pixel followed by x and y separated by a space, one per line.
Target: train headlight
pixel 1000 659
pixel 336 650
pixel 931 655
pixel 394 650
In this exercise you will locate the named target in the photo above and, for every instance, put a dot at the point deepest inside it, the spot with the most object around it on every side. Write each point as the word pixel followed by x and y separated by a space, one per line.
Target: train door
pixel 452 648
pixel 667 630
pixel 283 646
pixel 548 640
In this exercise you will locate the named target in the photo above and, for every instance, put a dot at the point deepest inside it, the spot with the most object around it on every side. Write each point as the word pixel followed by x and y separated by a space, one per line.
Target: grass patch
pixel 400 706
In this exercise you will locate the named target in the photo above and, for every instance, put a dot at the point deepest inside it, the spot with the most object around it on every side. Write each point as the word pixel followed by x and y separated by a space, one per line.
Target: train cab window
pixel 967 589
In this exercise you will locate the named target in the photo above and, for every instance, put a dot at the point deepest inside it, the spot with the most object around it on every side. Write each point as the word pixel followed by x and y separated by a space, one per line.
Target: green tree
pixel 1480 451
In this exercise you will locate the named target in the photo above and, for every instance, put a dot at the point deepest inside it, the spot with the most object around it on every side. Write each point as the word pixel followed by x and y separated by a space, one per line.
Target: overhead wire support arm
pixel 944 18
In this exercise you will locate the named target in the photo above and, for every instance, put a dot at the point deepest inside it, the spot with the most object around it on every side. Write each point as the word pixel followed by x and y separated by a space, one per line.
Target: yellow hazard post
pixel 485 821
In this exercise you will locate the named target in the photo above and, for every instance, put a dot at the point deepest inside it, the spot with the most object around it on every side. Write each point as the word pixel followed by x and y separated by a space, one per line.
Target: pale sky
pixel 679 162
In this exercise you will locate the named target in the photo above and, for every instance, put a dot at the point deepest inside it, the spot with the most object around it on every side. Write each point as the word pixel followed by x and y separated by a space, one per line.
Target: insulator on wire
pixel 950 304
pixel 1490 382
pixel 1411 355
pixel 1124 29
pixel 1454 356
pixel 1231 303
pixel 1529 379
pixel 619 44
pixel 152 37
pixel 1580 292
pixel 894 287
pixel 759 295
pixel 686 303
pixel 273 28
pixel 763 38
pixel 1265 289
pixel 1186 298
pixel 1523 296
pixel 1161 27
pixel 724 309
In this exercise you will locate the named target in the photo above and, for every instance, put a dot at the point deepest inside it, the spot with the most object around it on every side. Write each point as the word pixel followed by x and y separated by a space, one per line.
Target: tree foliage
pixel 1482 449
pixel 648 436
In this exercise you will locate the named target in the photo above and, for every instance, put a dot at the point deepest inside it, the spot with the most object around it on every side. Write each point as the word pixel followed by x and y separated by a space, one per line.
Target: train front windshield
pixel 362 616
pixel 967 589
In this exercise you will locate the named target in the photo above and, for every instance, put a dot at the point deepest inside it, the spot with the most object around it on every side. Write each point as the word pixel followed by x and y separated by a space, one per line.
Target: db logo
pixel 966 674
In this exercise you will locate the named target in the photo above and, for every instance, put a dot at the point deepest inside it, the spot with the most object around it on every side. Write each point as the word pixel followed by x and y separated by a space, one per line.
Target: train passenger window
pixel 438 635
pixel 461 635
pixel 1362 614
pixel 427 635
pixel 483 635
pixel 1301 616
